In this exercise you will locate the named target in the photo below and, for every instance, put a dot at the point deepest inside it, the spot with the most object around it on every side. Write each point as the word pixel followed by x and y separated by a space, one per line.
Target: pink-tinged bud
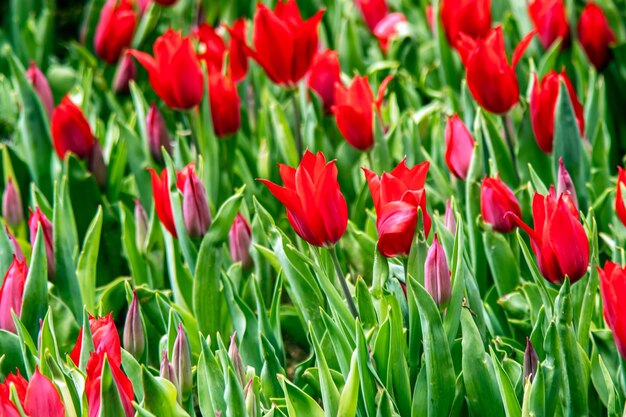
pixel 531 361
pixel 166 371
pixel 157 133
pixel 125 73
pixel 181 360
pixel 37 218
pixel 496 202
pixel 459 147
pixel 11 293
pixel 12 209
pixel 41 86
pixel 97 166
pixel 17 249
pixel 134 338
pixel 235 358
pixel 437 274
pixel 195 203
pixel 141 226
pixel 240 237
pixel 565 184
pixel 449 220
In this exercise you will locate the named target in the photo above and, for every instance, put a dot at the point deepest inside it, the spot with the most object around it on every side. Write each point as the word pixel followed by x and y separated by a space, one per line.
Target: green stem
pixel 296 117
pixel 508 134
pixel 343 283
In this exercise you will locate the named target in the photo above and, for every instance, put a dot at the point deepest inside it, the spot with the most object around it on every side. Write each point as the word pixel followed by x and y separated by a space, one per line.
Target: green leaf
pixel 162 398
pixel 330 393
pixel 350 393
pixel 35 298
pixel 10 353
pixel 110 400
pixel 207 295
pixel 298 402
pixel 502 261
pixel 218 232
pixel 137 264
pixel 233 395
pixel 211 384
pixel 87 262
pixel 507 392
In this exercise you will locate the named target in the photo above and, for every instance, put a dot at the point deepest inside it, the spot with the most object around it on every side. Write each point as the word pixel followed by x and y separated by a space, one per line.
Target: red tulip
pixel 11 293
pixel 397 196
pixel 71 131
pixel 19 382
pixel 496 202
pixel 595 35
pixel 354 108
pixel 388 28
pixel 42 397
pixel 550 20
pixel 105 338
pixel 213 49
pixel 115 29
pixel 558 239
pixel 162 200
pixel 620 208
pixel 225 104
pixel 459 147
pixel 373 11
pixel 93 384
pixel 38 218
pixel 543 101
pixel 491 80
pixel 174 72
pixel 315 206
pixel 470 17
pixel 237 57
pixel 196 212
pixel 41 86
pixel 239 239
pixel 613 290
pixel 284 44
pixel 324 75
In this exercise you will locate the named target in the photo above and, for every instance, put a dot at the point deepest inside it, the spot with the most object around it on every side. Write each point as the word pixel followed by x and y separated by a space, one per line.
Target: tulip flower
pixel 115 29
pixel 162 200
pixel 565 183
pixel 543 102
pixel 125 73
pixel 158 136
pixel 93 384
pixel 437 274
pixel 12 209
pixel 11 293
pixel 174 71
pixel 373 11
pixel 490 78
pixel 239 239
pixel 470 17
pixel 196 212
pixel 613 288
pixel 531 361
pixel 620 208
pixel 41 87
pixel 20 384
pixel 213 49
pixel 71 131
pixel 42 397
pixel 354 108
pixel 324 76
pixel 558 239
pixel 496 201
pixel 105 339
pixel 225 104
pixel 316 209
pixel 38 218
pixel 459 147
pixel 595 35
pixel 550 20
pixel 134 338
pixel 388 28
pixel 181 361
pixel 448 219
pixel 397 196
pixel 284 44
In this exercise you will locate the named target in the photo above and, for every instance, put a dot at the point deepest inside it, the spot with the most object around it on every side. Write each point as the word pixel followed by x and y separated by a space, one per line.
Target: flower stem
pixel 508 134
pixel 296 117
pixel 342 281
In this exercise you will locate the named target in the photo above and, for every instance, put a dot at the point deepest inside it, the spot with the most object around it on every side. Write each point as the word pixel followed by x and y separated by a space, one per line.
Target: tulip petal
pixel 521 47
pixel 276 61
pixel 42 398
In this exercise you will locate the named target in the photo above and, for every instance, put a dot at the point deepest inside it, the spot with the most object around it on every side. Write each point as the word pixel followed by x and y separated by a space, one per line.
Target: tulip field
pixel 312 208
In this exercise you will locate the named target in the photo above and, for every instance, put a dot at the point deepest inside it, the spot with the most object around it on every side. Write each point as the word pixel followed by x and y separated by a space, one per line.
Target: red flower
pixel 196 214
pixel 284 44
pixel 613 290
pixel 558 239
pixel 470 17
pixel 71 131
pixel 93 384
pixel 388 28
pixel 353 110
pixel 459 147
pixel 38 218
pixel 550 20
pixel 491 80
pixel 105 338
pixel 397 196
pixel 239 240
pixel 315 206
pixel 213 49
pixel 225 104
pixel 174 72
pixel 620 208
pixel 237 57
pixel 115 29
pixel 41 86
pixel 162 200
pixel 496 202
pixel 595 35
pixel 373 11
pixel 11 293
pixel 324 75
pixel 42 397
pixel 543 100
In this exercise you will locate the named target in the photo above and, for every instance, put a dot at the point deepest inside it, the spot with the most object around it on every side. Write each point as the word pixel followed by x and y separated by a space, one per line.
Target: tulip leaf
pixel 504 265
pixel 10 353
pixel 211 384
pixel 137 264
pixel 298 402
pixel 207 294
pixel 283 137
pixel 110 399
pixel 234 397
pixel 330 393
pixel 507 392
pixel 224 218
pixel 349 395
pixel 86 269
pixel 35 298
pixel 451 321
pixel 162 398
pixel 6 254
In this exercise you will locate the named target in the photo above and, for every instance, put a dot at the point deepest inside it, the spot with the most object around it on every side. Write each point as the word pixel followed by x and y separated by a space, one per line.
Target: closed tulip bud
pixel 158 136
pixel 388 28
pixel 550 20
pixel 196 212
pixel 225 104
pixel 38 218
pixel 613 290
pixel 459 147
pixel 543 101
pixel 449 220
pixel 565 184
pixel 531 361
pixel 239 239
pixel 235 358
pixel 354 111
pixel 471 17
pixel 316 208
pixel 373 11
pixel 42 397
pixel 437 274
pixel 252 407
pixel 181 360
pixel 174 71
pixel 620 208
pixel 71 131
pixel 397 197
pixel 166 370
pixel 17 250
pixel 324 75
pixel 496 202
pixel 125 73
pixel 97 166
pixel 115 29
pixel 11 293
pixel 41 87
pixel 134 338
pixel 12 210
pixel 490 78
pixel 141 226
pixel 595 35
pixel 93 384
pixel 162 200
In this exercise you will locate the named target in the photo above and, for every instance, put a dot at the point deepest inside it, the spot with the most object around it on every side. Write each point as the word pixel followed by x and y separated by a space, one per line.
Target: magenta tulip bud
pixel 125 73
pixel 37 218
pixel 240 237
pixel 195 203
pixel 17 250
pixel 12 209
pixel 97 166
pixel 531 361
pixel 166 370
pixel 437 274
pixel 157 133
pixel 181 360
pixel 235 358
pixel 11 293
pixel 41 87
pixel 565 183
pixel 134 338
pixel 449 220
pixel 141 226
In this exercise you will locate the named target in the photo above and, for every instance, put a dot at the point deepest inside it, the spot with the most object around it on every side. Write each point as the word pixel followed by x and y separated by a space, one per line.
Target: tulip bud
pixel 167 371
pixel 565 184
pixel 235 358
pixel 251 401
pixel 141 226
pixel 470 17
pixel 115 29
pixel 181 360
pixel 324 75
pixel 195 206
pixel 11 293
pixel 126 72
pixel 37 218
pixel 496 202
pixel 97 166
pixel 70 130
pixel 17 250
pixel 134 339
pixel 157 134
pixel 459 147
pixel 531 361
pixel 550 20
pixel 225 104
pixel 12 210
pixel 239 241
pixel 41 87
pixel 437 274
pixel 449 220
pixel 595 35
